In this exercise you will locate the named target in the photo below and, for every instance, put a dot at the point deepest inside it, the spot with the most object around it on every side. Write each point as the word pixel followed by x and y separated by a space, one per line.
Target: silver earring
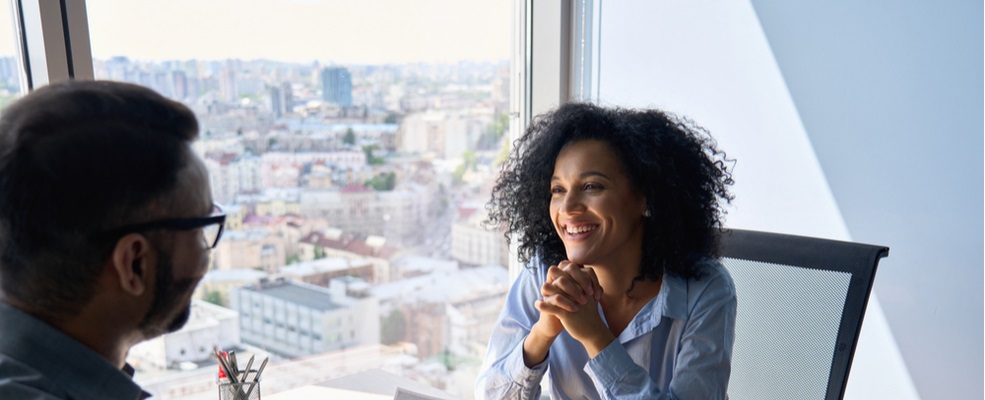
pixel 646 213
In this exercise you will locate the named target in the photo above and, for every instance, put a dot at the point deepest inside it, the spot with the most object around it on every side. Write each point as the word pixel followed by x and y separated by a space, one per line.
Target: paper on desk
pixel 405 394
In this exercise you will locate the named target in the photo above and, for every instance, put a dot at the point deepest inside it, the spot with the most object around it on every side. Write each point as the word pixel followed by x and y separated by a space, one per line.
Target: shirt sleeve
pixel 703 361
pixel 504 374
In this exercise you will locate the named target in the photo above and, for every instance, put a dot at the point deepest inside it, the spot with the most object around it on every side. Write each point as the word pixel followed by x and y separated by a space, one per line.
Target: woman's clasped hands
pixel 570 301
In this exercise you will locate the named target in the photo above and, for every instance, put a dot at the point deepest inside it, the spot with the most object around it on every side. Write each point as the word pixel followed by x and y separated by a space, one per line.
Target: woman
pixel 617 213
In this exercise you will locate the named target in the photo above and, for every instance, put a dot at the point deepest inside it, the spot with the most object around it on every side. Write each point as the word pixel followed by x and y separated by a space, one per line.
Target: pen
pixel 256 379
pixel 232 362
pixel 248 365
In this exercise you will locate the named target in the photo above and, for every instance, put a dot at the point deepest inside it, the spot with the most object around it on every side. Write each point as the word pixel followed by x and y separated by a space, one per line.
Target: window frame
pixel 52 41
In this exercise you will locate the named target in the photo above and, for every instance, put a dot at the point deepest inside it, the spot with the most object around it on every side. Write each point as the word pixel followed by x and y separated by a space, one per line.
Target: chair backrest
pixel 800 306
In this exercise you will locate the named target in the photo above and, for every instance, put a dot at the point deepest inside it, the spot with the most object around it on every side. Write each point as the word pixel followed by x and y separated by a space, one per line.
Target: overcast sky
pixel 360 31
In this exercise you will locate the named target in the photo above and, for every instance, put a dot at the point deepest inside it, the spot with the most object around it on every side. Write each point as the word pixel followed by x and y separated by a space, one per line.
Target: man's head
pixel 88 171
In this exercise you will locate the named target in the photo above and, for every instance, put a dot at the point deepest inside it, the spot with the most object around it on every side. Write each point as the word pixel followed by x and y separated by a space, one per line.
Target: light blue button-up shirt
pixel 679 346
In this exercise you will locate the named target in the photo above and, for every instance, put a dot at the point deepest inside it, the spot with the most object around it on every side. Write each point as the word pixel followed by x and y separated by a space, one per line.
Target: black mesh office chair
pixel 800 306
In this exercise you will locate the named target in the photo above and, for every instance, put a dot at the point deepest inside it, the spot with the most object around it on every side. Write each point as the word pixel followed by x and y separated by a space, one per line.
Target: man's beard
pixel 167 313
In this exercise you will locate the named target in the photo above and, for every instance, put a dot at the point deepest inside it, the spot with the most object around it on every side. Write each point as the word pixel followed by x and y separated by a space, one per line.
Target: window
pixel 351 138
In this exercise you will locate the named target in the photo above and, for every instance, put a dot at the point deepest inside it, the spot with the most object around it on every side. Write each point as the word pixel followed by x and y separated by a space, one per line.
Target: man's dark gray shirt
pixel 40 362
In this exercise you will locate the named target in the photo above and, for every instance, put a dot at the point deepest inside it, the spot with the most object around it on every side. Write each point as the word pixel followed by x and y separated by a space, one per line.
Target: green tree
pixel 393 329
pixel 214 297
pixel 503 155
pixel 494 133
pixel 350 137
pixel 469 159
pixel 319 252
pixel 390 180
pixel 383 182
pixel 468 164
pixel 370 158
pixel 458 174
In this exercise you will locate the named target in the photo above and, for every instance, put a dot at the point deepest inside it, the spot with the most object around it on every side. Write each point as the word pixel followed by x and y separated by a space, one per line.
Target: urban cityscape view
pixel 354 240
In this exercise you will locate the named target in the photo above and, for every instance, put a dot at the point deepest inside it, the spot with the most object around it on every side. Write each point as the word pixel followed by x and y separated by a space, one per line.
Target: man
pixel 106 222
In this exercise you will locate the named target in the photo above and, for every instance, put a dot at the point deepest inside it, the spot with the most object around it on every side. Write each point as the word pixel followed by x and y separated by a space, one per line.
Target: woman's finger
pixel 563 302
pixel 555 272
pixel 595 283
pixel 570 288
pixel 563 281
pixel 549 308
pixel 580 275
pixel 549 291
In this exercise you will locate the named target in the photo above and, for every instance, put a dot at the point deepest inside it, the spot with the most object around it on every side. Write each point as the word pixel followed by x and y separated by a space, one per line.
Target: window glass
pixel 353 145
pixel 10 85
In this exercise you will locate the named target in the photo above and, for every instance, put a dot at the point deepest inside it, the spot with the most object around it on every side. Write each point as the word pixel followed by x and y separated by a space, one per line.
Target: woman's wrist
pixel 597 342
pixel 536 346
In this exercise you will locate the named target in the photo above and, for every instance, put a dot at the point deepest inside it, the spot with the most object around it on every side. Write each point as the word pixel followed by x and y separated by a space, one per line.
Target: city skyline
pixel 359 190
pixel 372 204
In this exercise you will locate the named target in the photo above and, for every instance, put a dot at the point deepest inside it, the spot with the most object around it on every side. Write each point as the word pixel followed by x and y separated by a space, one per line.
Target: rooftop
pixel 305 295
pixel 232 275
pixel 357 244
pixel 354 188
pixel 323 265
pixel 455 286
pixel 232 235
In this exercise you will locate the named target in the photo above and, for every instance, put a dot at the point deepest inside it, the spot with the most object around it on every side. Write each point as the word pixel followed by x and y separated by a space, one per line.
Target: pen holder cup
pixel 239 391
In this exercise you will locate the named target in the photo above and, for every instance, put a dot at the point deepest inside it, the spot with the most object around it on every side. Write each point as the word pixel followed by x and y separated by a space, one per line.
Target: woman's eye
pixel 593 186
pixel 557 189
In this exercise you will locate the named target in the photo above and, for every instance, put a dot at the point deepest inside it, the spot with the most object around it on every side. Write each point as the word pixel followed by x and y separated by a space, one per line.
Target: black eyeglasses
pixel 211 226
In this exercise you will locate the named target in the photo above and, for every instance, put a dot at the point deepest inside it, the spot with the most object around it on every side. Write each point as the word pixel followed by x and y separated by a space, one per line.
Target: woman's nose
pixel 572 203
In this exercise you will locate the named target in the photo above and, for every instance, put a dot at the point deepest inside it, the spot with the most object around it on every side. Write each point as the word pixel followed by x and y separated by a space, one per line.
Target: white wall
pixel 848 121
pixel 890 93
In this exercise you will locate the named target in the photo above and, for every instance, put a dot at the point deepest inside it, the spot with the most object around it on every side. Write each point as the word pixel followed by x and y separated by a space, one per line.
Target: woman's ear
pixel 131 258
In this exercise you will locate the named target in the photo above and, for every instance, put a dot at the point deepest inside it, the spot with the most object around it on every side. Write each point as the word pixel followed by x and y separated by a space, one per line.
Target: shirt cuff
pixel 610 365
pixel 525 376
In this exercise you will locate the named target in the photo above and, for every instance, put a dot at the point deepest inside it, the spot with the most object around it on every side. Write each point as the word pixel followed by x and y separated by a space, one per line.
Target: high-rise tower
pixel 336 86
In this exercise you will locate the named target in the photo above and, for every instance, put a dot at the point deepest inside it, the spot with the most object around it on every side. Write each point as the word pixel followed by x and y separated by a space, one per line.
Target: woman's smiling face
pixel 596 211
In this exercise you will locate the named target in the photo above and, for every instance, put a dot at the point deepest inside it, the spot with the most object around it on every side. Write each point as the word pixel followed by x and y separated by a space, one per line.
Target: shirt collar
pixel 670 302
pixel 67 363
pixel 130 371
pixel 672 299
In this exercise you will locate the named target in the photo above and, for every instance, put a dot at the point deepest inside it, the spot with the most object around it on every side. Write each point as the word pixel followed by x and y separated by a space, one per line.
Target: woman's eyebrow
pixel 589 174
pixel 586 174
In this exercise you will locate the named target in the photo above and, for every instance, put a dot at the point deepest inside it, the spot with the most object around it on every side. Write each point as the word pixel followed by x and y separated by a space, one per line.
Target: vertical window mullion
pixel 53 41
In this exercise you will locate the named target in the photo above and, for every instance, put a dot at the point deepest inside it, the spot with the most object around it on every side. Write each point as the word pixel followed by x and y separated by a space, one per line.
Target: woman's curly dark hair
pixel 674 163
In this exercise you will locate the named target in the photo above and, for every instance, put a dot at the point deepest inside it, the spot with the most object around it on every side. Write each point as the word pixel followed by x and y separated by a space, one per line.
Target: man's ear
pixel 131 262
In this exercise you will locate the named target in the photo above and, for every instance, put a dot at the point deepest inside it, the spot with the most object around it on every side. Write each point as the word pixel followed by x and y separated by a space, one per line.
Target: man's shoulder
pixel 37 361
pixel 20 381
